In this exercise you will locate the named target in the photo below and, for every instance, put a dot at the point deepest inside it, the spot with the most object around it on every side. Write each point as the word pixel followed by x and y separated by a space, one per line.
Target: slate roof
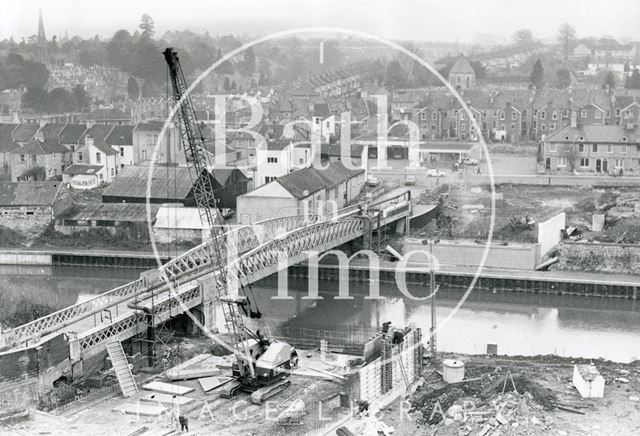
pixel 99 132
pixel 25 132
pixel 48 146
pixel 223 174
pixel 167 182
pixel 321 110
pixel 72 133
pixel 461 66
pixel 28 193
pixel 596 134
pixel 131 212
pixel 52 130
pixel 120 135
pixel 302 183
pixel 6 138
pixel 308 181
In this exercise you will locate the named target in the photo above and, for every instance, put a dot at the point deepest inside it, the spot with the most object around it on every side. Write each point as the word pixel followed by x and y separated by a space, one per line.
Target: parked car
pixel 410 180
pixel 226 213
pixel 373 181
pixel 468 161
pixel 435 172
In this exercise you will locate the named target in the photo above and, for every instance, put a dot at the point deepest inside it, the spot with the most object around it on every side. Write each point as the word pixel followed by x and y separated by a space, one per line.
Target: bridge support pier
pixel 210 304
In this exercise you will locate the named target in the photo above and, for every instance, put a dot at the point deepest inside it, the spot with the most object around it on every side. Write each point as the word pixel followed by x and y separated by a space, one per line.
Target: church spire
pixel 41 36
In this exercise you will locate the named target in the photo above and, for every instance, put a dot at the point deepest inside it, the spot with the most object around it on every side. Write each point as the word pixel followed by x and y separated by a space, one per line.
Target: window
pixel 524 113
pixel 513 126
pixel 98 157
pixel 581 148
pixel 502 115
pixel 30 213
pixel 535 112
pixel 423 115
pixel 565 113
pixel 269 179
pixel 552 126
pixel 584 162
pixel 619 163
pixel 617 112
pixel 562 162
pixel 121 151
pixel 598 115
pixel 623 149
pixel 463 126
pixel 594 148
pixel 80 156
pixel 434 116
pixel 609 148
pixel 33 158
pixel 22 158
pixel 551 147
pixel 112 172
pixel 73 148
pixel 151 140
pixel 608 114
pixel 433 127
pixel 514 116
pixel 583 113
pixel 144 154
pixel 543 127
pixel 543 115
pixel 554 115
pixel 272 160
pixel 301 161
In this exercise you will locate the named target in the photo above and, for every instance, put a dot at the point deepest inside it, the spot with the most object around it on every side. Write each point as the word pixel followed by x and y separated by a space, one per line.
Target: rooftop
pixel 29 193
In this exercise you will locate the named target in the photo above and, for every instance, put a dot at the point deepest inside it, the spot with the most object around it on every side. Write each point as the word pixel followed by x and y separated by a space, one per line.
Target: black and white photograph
pixel 320 218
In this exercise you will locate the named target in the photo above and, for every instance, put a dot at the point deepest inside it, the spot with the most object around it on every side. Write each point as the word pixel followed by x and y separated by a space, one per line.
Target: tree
pixel 567 38
pixel 609 81
pixel 570 153
pixel 35 98
pixel 132 89
pixel 564 78
pixel 537 74
pixel 394 74
pixel 479 69
pixel 249 66
pixel 60 100
pixel 147 26
pixel 81 97
pixel 523 37
pixel 226 85
pixel 633 82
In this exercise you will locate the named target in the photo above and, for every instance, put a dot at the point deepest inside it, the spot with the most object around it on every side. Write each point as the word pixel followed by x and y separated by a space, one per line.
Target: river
pixel 520 324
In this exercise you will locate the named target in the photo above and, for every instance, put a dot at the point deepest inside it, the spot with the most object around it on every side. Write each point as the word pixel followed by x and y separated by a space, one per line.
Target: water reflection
pixel 520 324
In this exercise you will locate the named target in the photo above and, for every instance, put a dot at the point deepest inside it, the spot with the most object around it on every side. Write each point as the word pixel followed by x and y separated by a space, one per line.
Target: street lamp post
pixel 433 290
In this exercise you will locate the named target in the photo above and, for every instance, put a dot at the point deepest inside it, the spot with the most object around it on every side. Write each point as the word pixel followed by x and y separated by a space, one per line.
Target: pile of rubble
pixel 493 403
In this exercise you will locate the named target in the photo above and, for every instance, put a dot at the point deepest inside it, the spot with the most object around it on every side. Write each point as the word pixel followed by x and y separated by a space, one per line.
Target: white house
pixel 306 191
pixel 277 158
pixel 100 155
pixel 121 140
pixel 175 223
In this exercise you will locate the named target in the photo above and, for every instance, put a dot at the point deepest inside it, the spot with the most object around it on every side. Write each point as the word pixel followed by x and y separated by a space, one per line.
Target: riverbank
pixel 84 257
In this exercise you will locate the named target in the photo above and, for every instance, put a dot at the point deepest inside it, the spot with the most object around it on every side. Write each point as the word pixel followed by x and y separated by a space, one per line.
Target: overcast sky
pixel 444 20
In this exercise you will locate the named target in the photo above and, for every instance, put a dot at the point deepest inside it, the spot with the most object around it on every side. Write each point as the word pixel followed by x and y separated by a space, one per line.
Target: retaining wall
pixel 553 180
pixel 17 258
pixel 596 257
pixel 469 253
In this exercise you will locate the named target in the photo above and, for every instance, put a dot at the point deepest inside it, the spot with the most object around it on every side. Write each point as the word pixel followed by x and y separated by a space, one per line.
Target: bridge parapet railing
pixel 61 318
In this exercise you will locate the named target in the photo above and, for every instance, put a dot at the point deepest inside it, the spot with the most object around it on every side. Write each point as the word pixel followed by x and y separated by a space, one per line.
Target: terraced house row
pixel 85 155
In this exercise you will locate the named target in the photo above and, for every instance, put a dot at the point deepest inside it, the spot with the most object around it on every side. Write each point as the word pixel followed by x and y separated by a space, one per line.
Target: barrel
pixel 452 370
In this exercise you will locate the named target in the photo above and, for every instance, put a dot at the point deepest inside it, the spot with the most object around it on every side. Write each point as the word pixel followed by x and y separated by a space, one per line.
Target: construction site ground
pixel 518 207
pixel 208 413
pixel 487 405
pixel 484 404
